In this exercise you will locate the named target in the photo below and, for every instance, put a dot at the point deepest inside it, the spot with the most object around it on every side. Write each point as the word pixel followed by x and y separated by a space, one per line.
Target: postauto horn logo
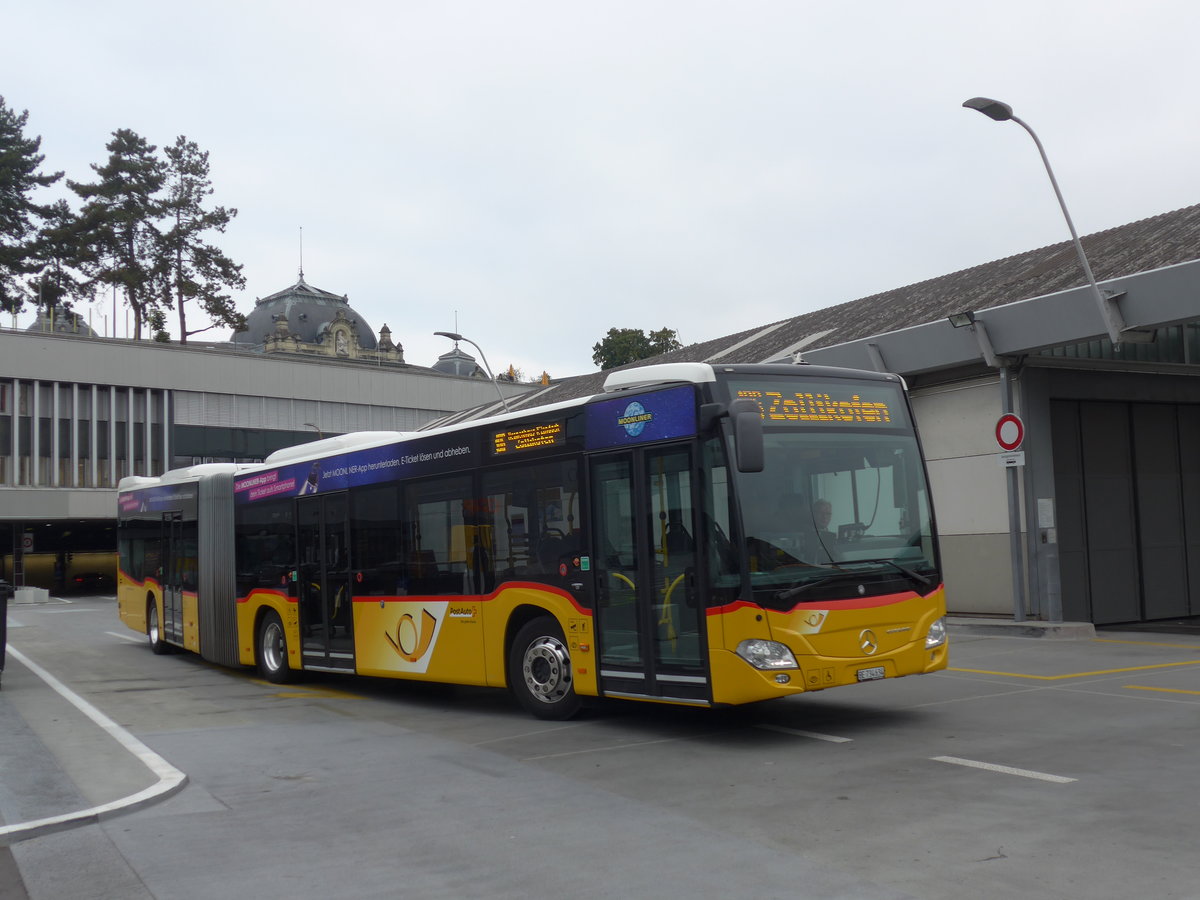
pixel 411 641
pixel 635 419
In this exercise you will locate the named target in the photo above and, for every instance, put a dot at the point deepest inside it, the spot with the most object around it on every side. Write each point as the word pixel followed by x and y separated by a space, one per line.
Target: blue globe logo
pixel 635 419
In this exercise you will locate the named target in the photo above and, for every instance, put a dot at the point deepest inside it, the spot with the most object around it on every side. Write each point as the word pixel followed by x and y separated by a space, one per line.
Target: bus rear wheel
pixel 154 632
pixel 539 670
pixel 272 650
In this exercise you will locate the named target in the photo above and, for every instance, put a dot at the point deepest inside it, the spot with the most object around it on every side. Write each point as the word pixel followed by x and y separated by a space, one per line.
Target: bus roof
pixel 634 378
pixel 174 476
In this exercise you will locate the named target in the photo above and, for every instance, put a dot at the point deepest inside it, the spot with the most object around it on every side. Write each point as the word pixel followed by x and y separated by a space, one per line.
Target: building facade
pixel 78 413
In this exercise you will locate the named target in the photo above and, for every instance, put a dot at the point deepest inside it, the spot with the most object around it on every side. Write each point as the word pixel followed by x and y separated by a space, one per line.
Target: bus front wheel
pixel 154 632
pixel 539 670
pixel 273 650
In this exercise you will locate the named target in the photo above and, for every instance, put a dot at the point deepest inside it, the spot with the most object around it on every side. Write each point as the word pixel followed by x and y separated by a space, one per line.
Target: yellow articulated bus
pixel 696 534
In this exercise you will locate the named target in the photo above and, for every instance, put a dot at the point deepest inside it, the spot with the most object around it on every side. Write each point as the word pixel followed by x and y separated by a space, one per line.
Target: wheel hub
pixel 547 669
pixel 273 646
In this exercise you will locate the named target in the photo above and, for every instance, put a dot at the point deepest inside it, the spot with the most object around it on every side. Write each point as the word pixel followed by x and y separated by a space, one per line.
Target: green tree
pixel 188 268
pixel 663 341
pixel 20 216
pixel 119 221
pixel 622 346
pixel 59 254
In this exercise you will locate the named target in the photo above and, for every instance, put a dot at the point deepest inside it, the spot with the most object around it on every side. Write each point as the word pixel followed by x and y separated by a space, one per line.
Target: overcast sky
pixel 548 170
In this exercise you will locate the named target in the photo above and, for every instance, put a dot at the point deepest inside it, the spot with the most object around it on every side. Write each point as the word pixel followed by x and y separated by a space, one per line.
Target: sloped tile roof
pixel 1164 240
pixel 1152 243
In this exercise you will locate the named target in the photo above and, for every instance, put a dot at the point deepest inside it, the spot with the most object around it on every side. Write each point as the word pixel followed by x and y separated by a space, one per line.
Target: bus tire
pixel 271 650
pixel 539 670
pixel 154 632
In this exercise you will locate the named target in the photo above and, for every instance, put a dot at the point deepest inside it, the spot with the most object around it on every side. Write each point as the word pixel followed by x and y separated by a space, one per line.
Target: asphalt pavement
pixel 76 785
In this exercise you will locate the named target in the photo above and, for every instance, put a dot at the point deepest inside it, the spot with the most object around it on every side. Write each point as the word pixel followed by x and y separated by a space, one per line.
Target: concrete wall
pixel 57 503
pixel 957 424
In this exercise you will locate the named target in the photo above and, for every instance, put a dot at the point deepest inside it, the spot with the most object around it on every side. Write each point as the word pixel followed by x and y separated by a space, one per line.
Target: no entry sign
pixel 1010 432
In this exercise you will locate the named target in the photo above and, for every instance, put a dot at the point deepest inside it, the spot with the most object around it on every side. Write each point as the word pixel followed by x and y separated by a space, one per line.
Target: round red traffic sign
pixel 1010 432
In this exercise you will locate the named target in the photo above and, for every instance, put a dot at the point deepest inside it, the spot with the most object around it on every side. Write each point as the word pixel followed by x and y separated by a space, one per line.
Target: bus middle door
pixel 324 588
pixel 649 618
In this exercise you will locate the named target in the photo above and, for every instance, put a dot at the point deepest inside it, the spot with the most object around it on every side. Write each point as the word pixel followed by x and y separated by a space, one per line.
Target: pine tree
pixel 188 268
pixel 59 256
pixel 19 176
pixel 119 221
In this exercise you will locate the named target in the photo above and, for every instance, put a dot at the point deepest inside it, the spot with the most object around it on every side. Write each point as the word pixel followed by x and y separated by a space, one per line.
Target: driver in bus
pixel 825 541
pixel 822 512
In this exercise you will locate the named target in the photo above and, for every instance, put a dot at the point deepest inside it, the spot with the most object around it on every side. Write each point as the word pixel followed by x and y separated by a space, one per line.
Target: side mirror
pixel 748 434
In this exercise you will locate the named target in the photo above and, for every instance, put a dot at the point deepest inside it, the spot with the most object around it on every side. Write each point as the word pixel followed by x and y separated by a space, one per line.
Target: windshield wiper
pixel 910 574
pixel 801 588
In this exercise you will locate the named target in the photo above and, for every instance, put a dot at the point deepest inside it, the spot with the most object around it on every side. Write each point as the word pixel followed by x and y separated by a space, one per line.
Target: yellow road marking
pixel 1194 662
pixel 1138 687
pixel 1145 643
pixel 301 692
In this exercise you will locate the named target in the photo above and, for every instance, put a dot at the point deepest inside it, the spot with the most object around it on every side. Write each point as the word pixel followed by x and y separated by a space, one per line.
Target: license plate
pixel 873 674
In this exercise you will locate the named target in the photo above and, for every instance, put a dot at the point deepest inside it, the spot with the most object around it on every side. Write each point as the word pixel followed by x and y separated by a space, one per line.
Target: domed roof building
pixel 62 323
pixel 459 362
pixel 307 320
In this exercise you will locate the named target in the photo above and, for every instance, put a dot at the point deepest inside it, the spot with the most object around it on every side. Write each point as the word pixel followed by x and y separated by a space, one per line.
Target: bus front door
pixel 324 589
pixel 172 577
pixel 649 615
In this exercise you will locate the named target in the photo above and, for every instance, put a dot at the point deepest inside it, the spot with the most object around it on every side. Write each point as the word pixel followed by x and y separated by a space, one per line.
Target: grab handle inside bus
pixel 748 434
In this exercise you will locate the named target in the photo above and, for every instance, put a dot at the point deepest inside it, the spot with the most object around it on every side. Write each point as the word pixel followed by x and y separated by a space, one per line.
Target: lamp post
pixel 1114 322
pixel 455 336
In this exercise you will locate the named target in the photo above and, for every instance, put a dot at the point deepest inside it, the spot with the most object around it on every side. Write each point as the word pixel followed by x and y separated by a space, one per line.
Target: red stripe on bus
pixel 830 604
pixel 479 598
pixel 858 602
pixel 732 607
pixel 280 594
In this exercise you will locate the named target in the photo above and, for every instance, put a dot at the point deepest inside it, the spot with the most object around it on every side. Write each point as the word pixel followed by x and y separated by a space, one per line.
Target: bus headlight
pixel 936 635
pixel 766 654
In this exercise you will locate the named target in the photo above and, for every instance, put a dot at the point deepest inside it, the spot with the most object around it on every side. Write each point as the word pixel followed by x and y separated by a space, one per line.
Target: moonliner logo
pixel 635 419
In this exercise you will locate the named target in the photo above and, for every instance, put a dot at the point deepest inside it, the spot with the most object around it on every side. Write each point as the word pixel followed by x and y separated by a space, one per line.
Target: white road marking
pixel 170 779
pixel 610 748
pixel 126 637
pixel 517 737
pixel 815 735
pixel 1006 770
pixel 52 612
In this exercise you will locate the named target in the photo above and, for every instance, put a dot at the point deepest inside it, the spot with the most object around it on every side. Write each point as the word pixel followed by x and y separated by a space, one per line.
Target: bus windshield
pixel 841 498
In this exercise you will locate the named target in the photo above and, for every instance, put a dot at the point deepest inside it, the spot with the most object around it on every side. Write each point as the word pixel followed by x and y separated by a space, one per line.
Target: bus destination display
pixel 826 404
pixel 530 437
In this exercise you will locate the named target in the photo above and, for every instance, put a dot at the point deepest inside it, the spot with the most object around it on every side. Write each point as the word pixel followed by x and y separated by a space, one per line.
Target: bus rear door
pixel 171 553
pixel 648 613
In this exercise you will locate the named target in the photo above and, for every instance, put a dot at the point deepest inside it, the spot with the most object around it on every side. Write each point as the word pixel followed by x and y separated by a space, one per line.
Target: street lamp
pixel 454 336
pixel 1113 320
pixel 966 319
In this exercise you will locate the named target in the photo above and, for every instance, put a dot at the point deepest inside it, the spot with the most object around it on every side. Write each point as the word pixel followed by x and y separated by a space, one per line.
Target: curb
pixel 170 780
pixel 1063 631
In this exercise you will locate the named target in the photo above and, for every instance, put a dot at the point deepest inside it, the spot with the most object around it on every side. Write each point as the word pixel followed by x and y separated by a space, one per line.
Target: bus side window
pixel 435 513
pixel 375 542
pixel 533 519
pixel 265 545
